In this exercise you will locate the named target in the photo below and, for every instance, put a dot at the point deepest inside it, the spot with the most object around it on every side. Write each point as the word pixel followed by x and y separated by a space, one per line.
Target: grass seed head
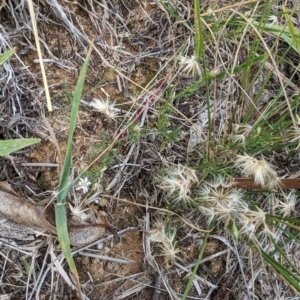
pixel 218 200
pixel 179 181
pixel 166 242
pixel 105 107
pixel 261 170
pixel 287 206
pixel 190 65
pixel 78 212
pixel 252 220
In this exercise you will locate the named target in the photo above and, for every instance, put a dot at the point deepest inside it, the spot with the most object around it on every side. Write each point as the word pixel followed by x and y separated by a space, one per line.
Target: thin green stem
pixel 198 42
pixel 192 277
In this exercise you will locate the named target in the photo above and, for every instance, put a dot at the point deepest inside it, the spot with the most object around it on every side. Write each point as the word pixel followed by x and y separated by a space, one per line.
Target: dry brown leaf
pixel 20 211
pixel 85 233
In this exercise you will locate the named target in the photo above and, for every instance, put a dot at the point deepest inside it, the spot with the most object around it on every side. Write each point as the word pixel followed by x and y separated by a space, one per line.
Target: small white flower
pixel 190 65
pixel 83 185
pixel 261 170
pixel 105 107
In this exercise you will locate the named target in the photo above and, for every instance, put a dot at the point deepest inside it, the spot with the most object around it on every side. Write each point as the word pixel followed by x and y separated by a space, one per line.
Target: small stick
pixel 38 48
pixel 285 184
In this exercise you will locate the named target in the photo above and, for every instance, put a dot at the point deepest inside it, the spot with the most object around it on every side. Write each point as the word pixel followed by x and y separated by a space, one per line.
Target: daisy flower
pixel 83 185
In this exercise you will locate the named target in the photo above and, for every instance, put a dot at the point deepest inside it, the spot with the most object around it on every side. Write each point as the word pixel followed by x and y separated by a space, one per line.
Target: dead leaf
pixel 83 234
pixel 20 211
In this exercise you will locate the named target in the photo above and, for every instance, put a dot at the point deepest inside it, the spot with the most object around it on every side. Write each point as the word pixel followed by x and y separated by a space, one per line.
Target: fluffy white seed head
pixel 178 182
pixel 261 170
pixel 220 201
pixel 287 205
pixel 105 107
pixel 190 65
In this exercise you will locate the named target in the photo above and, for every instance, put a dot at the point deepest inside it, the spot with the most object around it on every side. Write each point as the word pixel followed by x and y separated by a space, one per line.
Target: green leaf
pixel 9 146
pixel 6 55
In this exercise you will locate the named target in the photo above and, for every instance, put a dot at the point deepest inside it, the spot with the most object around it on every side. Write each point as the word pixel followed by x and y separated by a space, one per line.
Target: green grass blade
pixel 288 261
pixel 60 211
pixel 74 112
pixel 6 55
pixel 198 41
pixel 286 275
pixel 201 252
pixel 283 32
pixel 293 31
pixel 9 146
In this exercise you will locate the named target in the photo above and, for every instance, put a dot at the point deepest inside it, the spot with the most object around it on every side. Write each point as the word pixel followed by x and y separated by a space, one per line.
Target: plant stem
pixel 197 23
pixel 202 248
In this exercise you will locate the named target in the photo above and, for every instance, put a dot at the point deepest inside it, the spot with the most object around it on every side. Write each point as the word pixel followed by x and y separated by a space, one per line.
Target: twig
pixel 248 183
pixel 120 261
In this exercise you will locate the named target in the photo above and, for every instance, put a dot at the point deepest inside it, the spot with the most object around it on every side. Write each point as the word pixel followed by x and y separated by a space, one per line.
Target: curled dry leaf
pixel 20 211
